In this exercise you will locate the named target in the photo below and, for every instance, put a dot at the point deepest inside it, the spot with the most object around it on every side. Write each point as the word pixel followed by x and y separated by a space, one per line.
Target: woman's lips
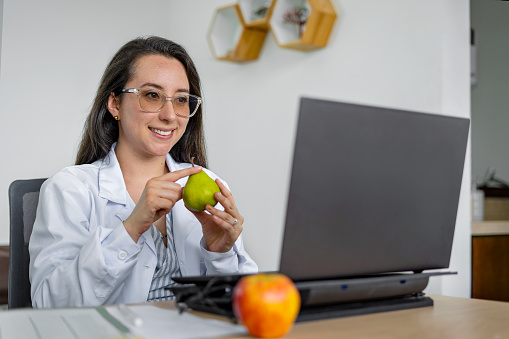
pixel 161 132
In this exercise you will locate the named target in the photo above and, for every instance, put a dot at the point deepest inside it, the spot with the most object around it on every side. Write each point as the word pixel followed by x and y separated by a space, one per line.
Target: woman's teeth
pixel 158 131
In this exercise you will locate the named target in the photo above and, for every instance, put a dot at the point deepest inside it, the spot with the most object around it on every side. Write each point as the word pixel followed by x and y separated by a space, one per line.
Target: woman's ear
pixel 113 105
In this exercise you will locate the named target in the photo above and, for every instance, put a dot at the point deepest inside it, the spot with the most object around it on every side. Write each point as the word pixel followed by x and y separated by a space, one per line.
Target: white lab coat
pixel 82 255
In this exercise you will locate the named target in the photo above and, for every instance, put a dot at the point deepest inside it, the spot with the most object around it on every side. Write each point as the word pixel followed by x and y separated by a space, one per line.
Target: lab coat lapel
pixel 111 181
pixel 112 187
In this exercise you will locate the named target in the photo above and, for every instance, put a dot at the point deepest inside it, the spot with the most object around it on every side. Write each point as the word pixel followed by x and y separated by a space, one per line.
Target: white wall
pixel 456 101
pixel 1 25
pixel 396 53
pixel 53 55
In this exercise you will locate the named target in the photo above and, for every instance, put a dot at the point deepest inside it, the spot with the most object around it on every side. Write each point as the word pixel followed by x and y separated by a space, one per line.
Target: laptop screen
pixel 372 190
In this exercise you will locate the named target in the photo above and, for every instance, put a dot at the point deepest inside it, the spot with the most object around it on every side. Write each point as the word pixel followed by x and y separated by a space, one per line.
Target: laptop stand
pixel 319 312
pixel 216 297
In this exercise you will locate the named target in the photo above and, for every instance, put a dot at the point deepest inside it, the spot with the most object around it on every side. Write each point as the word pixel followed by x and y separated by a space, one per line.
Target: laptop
pixel 372 202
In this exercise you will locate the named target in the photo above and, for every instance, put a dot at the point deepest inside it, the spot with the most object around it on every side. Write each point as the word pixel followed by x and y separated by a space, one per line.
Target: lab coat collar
pixel 111 180
pixel 176 166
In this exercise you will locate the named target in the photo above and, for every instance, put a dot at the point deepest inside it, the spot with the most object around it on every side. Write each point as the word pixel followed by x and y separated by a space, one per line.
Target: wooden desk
pixel 490 227
pixel 448 318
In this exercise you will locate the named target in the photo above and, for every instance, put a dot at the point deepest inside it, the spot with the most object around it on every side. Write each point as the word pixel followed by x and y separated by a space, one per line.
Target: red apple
pixel 267 304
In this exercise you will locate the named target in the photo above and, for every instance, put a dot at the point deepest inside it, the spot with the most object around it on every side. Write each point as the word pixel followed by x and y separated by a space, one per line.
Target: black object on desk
pixel 334 298
pixel 211 294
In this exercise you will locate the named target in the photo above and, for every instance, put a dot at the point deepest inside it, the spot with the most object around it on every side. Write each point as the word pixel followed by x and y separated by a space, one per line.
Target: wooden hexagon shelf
pixel 230 39
pixel 256 13
pixel 302 24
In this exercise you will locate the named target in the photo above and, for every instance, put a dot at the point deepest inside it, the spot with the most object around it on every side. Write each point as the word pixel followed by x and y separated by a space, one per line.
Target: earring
pixel 116 117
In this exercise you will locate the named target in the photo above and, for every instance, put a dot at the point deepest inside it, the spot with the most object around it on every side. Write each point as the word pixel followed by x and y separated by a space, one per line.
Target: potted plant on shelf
pixel 297 16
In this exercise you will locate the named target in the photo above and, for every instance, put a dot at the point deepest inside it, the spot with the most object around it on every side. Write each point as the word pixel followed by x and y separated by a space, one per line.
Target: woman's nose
pixel 168 112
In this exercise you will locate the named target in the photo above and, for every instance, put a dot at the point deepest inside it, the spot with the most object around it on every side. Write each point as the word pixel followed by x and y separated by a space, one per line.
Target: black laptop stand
pixel 348 309
pixel 215 296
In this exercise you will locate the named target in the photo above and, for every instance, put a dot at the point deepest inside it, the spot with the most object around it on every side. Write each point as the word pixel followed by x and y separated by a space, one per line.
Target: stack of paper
pixel 111 322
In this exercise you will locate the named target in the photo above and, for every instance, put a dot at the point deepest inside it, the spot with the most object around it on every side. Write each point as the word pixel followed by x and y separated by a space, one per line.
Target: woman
pixel 114 229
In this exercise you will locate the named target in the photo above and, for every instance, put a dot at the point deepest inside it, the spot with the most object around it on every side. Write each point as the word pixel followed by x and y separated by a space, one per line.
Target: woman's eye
pixel 152 95
pixel 182 100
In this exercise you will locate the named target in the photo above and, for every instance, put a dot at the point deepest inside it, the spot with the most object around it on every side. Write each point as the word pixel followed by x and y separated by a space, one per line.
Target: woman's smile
pixel 162 132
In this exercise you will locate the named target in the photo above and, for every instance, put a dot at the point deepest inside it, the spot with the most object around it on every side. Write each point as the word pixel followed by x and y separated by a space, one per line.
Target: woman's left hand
pixel 221 228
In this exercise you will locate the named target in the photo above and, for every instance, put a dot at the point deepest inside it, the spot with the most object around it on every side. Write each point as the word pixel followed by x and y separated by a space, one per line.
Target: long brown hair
pixel 101 129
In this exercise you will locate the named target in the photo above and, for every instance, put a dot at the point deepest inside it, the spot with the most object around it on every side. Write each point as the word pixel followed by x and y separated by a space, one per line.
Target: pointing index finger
pixel 174 176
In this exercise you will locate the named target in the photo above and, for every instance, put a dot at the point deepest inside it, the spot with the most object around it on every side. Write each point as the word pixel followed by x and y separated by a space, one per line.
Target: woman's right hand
pixel 158 198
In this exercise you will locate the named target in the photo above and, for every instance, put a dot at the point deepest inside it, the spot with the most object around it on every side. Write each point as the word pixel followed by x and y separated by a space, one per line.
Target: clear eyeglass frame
pixel 164 99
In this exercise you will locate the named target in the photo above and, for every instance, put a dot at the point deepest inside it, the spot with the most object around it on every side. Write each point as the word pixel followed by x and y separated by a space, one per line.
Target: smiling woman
pixel 144 133
pixel 114 229
pixel 101 129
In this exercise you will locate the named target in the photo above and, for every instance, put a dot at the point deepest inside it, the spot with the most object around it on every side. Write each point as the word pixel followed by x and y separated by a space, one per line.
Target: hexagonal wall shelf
pixel 256 13
pixel 302 24
pixel 230 38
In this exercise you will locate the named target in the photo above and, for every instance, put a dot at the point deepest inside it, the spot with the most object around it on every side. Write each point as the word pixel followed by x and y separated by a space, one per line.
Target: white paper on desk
pixel 159 323
pixel 76 323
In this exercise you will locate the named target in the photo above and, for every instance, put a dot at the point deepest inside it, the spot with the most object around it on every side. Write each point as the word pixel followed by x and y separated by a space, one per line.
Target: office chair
pixel 23 200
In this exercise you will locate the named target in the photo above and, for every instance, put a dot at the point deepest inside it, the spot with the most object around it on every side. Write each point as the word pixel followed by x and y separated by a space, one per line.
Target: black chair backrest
pixel 23 200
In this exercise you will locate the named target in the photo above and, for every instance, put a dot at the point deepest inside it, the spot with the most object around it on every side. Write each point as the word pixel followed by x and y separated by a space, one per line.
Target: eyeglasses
pixel 152 101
